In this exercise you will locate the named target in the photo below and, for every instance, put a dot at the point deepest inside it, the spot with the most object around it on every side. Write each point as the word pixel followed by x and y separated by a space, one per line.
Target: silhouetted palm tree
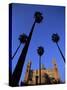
pixel 40 52
pixel 22 39
pixel 19 67
pixel 38 17
pixel 55 39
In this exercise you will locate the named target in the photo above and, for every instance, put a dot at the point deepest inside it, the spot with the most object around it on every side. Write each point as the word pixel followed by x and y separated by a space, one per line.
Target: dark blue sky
pixel 53 22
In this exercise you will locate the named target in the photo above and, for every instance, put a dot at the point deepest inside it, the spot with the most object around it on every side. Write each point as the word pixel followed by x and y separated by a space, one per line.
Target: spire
pixel 56 73
pixel 54 63
pixel 29 64
pixel 28 69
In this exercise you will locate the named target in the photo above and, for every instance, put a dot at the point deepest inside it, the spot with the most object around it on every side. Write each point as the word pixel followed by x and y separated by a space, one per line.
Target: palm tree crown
pixel 40 51
pixel 38 17
pixel 55 38
pixel 23 38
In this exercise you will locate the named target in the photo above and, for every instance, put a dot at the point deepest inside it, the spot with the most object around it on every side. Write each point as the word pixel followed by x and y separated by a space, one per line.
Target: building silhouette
pixel 48 76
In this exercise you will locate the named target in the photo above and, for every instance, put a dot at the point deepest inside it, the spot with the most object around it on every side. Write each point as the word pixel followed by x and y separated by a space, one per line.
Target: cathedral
pixel 48 76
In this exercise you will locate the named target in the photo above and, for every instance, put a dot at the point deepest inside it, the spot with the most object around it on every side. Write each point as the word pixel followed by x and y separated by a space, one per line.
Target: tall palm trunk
pixel 19 67
pixel 40 70
pixel 60 52
pixel 16 50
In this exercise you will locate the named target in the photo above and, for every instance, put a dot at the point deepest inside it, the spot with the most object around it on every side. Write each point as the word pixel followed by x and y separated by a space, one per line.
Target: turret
pixel 27 71
pixel 55 70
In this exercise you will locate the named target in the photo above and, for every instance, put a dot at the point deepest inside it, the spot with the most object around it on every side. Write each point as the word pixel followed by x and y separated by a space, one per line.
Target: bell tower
pixel 27 71
pixel 55 70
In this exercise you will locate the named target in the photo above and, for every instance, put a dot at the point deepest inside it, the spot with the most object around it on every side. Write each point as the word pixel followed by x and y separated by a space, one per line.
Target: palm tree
pixel 22 39
pixel 55 39
pixel 40 52
pixel 38 17
pixel 19 67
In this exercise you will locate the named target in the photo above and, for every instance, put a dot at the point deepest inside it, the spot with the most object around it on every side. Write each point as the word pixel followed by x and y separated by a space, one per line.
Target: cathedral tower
pixel 27 71
pixel 55 70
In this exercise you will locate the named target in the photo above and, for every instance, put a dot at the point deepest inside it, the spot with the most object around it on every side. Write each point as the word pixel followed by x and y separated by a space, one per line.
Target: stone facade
pixel 48 76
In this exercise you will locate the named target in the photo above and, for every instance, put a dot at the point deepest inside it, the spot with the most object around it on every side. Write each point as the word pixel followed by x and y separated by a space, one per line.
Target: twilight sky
pixel 53 22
